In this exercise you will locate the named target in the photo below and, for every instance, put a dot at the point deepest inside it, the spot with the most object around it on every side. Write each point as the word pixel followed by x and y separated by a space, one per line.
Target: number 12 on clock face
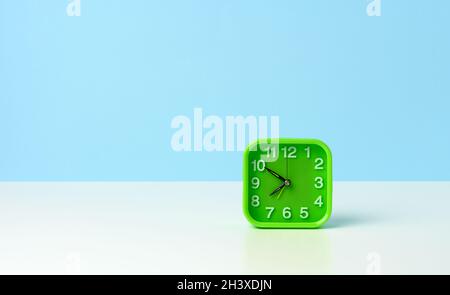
pixel 287 183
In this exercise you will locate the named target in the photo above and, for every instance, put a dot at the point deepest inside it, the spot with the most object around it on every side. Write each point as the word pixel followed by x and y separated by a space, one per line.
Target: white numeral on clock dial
pixel 270 211
pixel 318 182
pixel 308 152
pixel 319 164
pixel 255 201
pixel 304 213
pixel 287 214
pixel 259 165
pixel 318 201
pixel 272 152
pixel 289 152
pixel 255 182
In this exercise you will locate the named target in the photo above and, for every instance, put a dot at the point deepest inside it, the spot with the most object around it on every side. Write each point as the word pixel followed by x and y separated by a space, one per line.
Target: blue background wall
pixel 92 97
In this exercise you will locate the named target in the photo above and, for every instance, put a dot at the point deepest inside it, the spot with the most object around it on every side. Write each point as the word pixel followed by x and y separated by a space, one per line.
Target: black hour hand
pixel 276 174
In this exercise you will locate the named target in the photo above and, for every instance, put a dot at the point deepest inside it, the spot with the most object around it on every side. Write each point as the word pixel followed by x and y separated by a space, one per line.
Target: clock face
pixel 288 183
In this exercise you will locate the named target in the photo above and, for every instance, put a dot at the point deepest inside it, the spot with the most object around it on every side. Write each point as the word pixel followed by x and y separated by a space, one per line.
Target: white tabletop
pixel 199 228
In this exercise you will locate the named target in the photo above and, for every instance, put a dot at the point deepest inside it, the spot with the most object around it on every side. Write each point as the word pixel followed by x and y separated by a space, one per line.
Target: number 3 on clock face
pixel 287 183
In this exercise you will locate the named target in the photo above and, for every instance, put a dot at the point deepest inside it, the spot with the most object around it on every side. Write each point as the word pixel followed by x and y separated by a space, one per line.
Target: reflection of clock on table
pixel 287 184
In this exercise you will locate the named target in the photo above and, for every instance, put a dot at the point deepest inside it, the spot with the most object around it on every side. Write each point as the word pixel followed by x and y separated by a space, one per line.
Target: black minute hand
pixel 275 174
pixel 278 189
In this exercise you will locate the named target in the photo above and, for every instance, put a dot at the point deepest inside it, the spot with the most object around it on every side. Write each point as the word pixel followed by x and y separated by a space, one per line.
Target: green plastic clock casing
pixel 287 183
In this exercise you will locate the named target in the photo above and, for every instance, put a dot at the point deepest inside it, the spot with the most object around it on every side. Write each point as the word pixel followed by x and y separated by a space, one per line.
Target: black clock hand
pixel 278 189
pixel 276 174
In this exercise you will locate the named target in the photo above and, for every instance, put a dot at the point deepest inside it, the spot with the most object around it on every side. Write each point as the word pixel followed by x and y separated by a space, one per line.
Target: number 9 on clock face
pixel 287 183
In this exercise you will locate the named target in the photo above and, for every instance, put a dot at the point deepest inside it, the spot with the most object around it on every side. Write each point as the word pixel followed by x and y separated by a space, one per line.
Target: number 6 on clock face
pixel 292 191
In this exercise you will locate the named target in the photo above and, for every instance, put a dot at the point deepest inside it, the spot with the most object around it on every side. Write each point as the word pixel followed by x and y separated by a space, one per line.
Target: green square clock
pixel 287 183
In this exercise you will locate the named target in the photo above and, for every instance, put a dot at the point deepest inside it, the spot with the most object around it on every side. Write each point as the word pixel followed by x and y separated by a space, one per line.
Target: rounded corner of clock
pixel 321 222
pixel 253 221
pixel 323 145
pixel 251 145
